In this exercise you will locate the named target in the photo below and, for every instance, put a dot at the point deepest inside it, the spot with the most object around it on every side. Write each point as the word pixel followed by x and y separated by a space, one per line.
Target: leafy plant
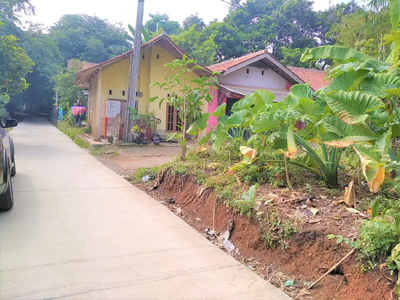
pixel 245 205
pixel 279 233
pixel 179 169
pixel 376 239
pixel 340 239
pixel 186 95
pixel 152 172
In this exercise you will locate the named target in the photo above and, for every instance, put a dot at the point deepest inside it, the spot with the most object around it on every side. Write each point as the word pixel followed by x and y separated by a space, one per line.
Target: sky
pixel 124 11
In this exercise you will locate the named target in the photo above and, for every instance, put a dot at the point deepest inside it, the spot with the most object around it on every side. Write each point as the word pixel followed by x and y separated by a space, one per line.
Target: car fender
pixel 12 148
pixel 5 166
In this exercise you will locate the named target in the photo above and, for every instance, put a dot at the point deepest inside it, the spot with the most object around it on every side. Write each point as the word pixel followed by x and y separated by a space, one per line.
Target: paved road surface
pixel 79 231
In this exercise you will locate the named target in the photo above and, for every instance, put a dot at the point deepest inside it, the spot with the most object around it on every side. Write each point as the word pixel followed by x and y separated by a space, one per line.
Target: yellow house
pixel 108 88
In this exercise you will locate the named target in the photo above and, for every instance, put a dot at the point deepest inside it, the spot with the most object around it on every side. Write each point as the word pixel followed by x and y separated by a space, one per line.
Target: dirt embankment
pixel 309 253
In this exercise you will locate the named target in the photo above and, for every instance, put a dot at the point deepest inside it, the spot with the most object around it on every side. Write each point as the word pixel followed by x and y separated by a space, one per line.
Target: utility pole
pixel 134 69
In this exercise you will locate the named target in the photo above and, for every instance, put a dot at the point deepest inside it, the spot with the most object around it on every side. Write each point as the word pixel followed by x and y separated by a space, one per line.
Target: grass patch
pixel 152 172
pixel 279 233
pixel 81 143
pixel 71 131
pixel 98 150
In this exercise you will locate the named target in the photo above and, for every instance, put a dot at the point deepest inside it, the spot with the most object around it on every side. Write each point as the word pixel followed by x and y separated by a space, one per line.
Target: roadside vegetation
pixel 344 135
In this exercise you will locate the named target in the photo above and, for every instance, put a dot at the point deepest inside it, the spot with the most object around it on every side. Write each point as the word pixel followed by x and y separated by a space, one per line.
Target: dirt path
pixel 125 160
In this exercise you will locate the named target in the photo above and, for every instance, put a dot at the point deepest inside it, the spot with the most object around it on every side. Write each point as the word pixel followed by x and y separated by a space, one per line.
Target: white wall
pixel 270 79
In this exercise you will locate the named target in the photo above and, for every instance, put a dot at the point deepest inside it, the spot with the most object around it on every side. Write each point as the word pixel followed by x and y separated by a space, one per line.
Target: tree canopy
pixel 158 21
pixel 88 38
pixel 32 59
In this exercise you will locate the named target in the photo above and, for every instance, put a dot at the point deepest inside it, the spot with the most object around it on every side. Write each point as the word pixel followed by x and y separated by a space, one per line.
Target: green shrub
pixel 98 150
pixel 376 238
pixel 152 172
pixel 245 205
pixel 179 169
pixel 225 187
pixel 279 233
pixel 200 176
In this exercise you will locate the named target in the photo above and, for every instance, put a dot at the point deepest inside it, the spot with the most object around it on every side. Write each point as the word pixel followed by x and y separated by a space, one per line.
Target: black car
pixel 7 165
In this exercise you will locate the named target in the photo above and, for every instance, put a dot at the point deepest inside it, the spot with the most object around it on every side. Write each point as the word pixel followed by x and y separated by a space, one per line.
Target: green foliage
pixel 179 169
pixel 81 143
pixel 98 150
pixel 363 31
pixel 376 239
pixel 291 57
pixel 65 84
pixel 187 96
pixel 14 66
pixel 340 239
pixel 152 172
pixel 158 21
pixel 10 10
pixel 193 20
pixel 44 52
pixel 245 205
pixel 202 50
pixel 200 176
pixel 225 188
pixel 279 233
pixel 71 131
pixel 88 38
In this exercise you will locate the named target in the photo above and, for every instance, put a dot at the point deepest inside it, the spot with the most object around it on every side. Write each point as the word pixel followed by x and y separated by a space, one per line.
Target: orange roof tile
pixel 225 65
pixel 315 78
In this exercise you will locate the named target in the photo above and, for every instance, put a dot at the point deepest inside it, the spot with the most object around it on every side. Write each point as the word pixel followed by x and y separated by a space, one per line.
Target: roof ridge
pixel 306 69
pixel 240 57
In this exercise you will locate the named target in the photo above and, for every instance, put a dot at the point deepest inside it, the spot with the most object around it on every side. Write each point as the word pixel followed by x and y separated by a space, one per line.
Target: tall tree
pixel 88 38
pixel 65 83
pixel 194 20
pixel 203 51
pixel 15 65
pixel 363 31
pixel 158 21
pixel 11 9
pixel 44 52
pixel 229 40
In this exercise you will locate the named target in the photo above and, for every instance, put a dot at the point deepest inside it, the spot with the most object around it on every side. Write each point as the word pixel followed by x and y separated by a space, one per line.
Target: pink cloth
pixel 78 110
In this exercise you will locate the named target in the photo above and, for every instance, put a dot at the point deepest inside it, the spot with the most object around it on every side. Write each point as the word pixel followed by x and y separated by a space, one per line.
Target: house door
pixel 174 122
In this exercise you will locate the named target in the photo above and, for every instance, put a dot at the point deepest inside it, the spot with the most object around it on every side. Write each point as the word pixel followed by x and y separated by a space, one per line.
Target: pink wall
pixel 213 121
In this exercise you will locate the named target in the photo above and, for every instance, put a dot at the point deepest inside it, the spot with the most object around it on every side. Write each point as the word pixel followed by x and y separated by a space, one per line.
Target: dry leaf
pixel 249 154
pixel 257 205
pixel 353 210
pixel 314 210
pixel 200 149
pixel 314 221
pixel 349 195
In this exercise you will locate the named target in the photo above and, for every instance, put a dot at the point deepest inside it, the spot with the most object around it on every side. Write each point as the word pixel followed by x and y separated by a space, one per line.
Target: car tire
pixel 13 169
pixel 7 199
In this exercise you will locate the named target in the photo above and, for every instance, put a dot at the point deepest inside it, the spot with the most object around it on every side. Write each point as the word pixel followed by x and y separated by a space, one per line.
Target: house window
pixel 143 56
pixel 123 93
pixel 110 92
pixel 248 71
pixel 262 72
pixel 174 122
pixel 158 56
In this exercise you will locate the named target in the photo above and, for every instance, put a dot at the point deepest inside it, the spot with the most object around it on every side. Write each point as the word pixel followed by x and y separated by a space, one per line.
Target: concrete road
pixel 79 231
